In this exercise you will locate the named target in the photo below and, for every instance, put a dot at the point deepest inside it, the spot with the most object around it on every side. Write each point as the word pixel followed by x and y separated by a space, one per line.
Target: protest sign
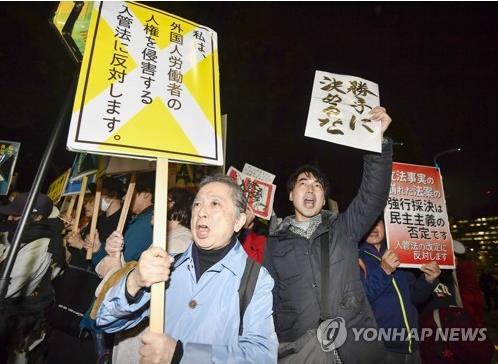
pixel 86 164
pixel 148 87
pixel 58 186
pixel 119 165
pixel 258 173
pixel 260 194
pixel 8 157
pixel 189 176
pixel 71 19
pixel 339 110
pixel 74 188
pixel 416 219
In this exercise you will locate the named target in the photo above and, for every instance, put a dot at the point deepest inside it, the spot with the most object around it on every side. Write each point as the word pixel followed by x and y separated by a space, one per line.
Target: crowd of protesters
pixel 237 289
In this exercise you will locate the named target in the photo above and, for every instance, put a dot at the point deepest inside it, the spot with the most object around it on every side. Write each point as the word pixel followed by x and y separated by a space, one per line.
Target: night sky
pixel 436 65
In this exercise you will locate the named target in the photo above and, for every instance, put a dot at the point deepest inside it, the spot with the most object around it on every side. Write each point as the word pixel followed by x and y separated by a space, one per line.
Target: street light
pixel 443 153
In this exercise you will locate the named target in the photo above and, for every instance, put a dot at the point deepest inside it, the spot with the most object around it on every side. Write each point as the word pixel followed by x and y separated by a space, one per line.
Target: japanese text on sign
pixel 415 217
pixel 339 111
pixel 148 87
pixel 259 194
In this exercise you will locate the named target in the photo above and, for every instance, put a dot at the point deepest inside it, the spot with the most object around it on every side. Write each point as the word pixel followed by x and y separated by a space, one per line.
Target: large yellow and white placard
pixel 148 87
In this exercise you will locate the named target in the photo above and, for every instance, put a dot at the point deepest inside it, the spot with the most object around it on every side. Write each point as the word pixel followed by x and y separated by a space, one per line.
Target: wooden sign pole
pixel 81 198
pixel 70 208
pixel 95 217
pixel 64 204
pixel 126 204
pixel 69 212
pixel 157 300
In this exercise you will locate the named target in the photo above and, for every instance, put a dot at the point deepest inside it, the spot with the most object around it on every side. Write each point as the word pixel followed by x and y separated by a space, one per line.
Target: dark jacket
pixel 294 263
pixel 138 235
pixel 387 306
pixel 105 225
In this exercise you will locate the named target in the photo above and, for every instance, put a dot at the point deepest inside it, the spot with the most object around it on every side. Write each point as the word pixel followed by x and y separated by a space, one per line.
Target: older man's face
pixel 214 216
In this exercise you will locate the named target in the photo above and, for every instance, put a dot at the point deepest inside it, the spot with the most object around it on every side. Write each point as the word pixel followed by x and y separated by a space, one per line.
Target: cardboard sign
pixel 339 110
pixel 258 173
pixel 260 194
pixel 148 87
pixel 58 186
pixel 74 187
pixel 75 41
pixel 189 175
pixel 8 157
pixel 119 165
pixel 416 220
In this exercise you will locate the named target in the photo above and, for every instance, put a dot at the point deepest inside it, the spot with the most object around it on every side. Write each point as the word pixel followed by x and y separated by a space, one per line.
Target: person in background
pixel 107 221
pixel 456 303
pixel 253 236
pixel 30 292
pixel 75 240
pixel 394 293
pixel 110 207
pixel 179 214
pixel 466 272
pixel 488 286
pixel 137 236
pixel 110 212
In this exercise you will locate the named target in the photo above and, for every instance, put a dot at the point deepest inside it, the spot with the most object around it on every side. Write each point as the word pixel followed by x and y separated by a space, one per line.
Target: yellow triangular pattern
pixel 199 81
pixel 98 80
pixel 153 127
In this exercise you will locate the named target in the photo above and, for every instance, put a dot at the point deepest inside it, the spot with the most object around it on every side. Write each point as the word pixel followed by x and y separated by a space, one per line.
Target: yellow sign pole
pixel 157 300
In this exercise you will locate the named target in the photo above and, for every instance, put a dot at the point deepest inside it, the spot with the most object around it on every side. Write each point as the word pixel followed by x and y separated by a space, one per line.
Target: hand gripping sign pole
pixel 188 130
pixel 69 213
pixel 124 210
pixel 157 300
pixel 95 216
pixel 35 187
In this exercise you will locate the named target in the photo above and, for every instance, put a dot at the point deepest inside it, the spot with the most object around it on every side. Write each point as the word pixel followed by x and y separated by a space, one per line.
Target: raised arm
pixel 374 189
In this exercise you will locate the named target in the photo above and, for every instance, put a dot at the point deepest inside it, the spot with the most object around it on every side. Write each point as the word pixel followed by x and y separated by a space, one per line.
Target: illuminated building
pixel 480 236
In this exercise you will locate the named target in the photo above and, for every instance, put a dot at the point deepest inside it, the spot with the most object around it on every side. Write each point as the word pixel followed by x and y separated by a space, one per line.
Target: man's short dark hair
pixel 308 169
pixel 181 210
pixel 113 187
pixel 146 182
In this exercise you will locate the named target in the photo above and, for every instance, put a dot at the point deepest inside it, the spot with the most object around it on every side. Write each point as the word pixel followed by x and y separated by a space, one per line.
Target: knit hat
pixel 43 205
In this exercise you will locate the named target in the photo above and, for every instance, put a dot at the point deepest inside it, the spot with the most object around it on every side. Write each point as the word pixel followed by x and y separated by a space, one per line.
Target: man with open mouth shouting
pixel 315 246
pixel 219 302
